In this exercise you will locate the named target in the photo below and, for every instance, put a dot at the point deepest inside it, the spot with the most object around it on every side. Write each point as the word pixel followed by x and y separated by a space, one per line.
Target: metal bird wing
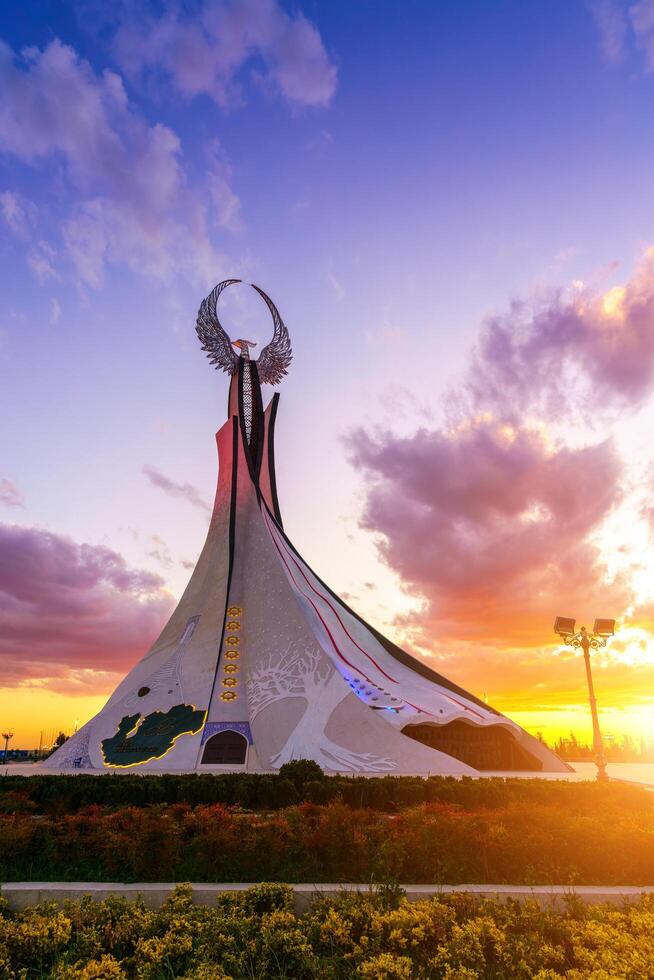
pixel 275 358
pixel 212 336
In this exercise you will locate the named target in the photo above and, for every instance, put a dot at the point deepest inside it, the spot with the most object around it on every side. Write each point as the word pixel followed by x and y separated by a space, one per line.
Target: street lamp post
pixel 582 639
pixel 7 736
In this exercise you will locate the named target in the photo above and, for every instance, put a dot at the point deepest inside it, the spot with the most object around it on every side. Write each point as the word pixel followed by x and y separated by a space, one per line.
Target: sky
pixel 452 206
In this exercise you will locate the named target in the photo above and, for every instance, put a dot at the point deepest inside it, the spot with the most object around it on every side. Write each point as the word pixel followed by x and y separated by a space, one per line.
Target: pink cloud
pixel 185 491
pixel 489 524
pixel 204 52
pixel 586 352
pixel 68 610
pixel 10 495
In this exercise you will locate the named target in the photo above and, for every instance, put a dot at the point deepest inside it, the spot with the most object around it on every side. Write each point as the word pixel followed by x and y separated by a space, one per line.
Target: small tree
pixel 58 742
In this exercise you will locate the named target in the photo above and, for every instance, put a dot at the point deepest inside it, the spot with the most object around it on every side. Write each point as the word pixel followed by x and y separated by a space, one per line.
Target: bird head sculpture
pixel 275 358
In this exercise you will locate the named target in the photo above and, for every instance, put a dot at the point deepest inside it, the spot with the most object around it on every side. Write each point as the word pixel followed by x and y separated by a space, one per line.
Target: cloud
pixel 131 203
pixel 611 21
pixel 184 490
pixel 489 524
pixel 581 351
pixel 226 204
pixel 10 495
pixel 620 25
pixel 18 213
pixel 493 520
pixel 205 51
pixel 68 608
pixel 54 101
pixel 336 286
pixel 160 551
pixel 126 195
pixel 40 259
pixel 642 21
pixel 55 312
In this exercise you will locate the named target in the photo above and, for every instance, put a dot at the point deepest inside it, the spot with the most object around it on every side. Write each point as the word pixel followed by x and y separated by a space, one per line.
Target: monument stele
pixel 261 663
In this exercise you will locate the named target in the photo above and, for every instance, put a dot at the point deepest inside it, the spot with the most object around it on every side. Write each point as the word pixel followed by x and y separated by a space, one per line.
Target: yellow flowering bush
pixel 387 967
pixel 256 935
pixel 35 939
pixel 105 968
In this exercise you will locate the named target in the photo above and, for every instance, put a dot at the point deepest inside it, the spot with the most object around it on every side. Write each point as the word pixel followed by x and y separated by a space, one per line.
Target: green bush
pixel 410 792
pixel 317 791
pixel 285 793
pixel 266 793
pixel 301 771
pixel 255 935
pixel 60 795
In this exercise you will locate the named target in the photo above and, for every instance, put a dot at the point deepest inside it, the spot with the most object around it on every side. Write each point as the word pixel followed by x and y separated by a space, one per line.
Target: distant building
pixel 16 755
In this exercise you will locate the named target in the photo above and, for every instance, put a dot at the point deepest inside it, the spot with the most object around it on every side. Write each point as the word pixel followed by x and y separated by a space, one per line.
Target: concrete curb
pixel 23 894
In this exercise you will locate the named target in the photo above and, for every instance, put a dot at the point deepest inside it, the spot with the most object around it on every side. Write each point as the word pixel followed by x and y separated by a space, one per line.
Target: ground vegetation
pixel 255 935
pixel 513 833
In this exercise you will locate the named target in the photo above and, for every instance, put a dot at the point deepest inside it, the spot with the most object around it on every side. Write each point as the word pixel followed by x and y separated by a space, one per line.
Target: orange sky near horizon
pixel 626 708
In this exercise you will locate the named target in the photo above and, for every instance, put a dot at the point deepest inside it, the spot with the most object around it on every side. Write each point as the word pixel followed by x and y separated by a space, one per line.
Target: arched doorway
pixel 226 748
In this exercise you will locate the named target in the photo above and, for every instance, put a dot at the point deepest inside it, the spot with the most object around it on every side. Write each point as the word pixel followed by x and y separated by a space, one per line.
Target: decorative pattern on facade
pixel 213 727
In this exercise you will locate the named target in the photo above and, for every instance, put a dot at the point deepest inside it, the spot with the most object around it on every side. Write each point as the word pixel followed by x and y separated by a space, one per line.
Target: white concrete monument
pixel 261 663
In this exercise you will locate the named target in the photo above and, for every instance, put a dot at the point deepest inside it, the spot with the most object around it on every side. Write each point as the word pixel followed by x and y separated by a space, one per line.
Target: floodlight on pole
pixel 604 627
pixel 564 626
pixel 582 639
pixel 7 737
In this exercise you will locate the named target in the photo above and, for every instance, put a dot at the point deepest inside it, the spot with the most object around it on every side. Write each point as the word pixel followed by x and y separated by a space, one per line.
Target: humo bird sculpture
pixel 275 358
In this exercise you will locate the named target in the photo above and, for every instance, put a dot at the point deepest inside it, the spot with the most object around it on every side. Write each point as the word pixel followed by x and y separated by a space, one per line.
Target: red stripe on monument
pixel 449 697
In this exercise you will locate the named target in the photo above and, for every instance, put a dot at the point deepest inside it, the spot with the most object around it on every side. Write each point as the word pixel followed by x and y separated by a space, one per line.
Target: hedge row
pixel 256 936
pixel 520 843
pixel 297 783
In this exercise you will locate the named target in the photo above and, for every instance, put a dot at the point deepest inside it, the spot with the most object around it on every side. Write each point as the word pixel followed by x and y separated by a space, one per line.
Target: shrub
pixel 318 791
pixel 410 792
pixel 301 771
pixel 15 801
pixel 495 831
pixel 285 793
pixel 255 935
pixel 519 843
pixel 268 897
pixel 59 796
pixel 266 793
